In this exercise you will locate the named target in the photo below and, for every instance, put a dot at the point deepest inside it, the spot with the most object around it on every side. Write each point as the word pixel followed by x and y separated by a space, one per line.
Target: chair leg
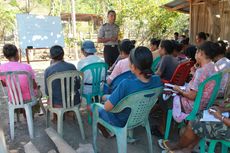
pixel 168 124
pixel 149 136
pixel 47 118
pixel 202 145
pixel 89 101
pixel 29 118
pixel 212 146
pixel 94 126
pixel 122 140
pixel 60 123
pixel 80 123
pixel 11 118
pixel 224 148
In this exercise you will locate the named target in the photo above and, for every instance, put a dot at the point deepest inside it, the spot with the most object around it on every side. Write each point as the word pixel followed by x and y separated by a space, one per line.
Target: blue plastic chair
pixel 217 78
pixel 96 70
pixel 140 104
pixel 116 81
pixel 16 101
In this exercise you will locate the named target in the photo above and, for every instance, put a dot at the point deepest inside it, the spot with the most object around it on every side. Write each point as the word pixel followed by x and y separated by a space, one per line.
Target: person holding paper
pixel 184 101
pixel 197 129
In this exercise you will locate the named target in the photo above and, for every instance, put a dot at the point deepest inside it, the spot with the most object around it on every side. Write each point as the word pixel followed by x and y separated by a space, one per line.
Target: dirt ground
pixel 71 129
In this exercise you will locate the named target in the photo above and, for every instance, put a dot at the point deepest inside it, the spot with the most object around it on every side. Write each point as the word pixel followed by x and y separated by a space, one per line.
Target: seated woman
pixel 222 63
pixel 168 62
pixel 10 52
pixel 140 61
pixel 185 99
pixel 154 44
pixel 197 130
pixel 123 65
pixel 177 52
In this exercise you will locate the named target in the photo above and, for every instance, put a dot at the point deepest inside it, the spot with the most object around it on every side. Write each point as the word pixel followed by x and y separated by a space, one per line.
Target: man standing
pixel 108 34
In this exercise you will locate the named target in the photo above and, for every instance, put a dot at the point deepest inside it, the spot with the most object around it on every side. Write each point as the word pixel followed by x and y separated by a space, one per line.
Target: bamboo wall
pixel 200 21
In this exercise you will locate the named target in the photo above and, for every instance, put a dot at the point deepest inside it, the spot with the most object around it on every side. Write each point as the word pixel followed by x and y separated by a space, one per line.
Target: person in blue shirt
pixel 140 61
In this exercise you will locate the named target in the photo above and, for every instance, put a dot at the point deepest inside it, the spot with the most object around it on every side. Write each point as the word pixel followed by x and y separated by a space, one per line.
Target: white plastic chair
pixel 68 81
pixel 15 98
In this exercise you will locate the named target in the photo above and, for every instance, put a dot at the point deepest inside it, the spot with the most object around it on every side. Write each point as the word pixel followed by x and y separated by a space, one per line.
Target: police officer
pixel 108 34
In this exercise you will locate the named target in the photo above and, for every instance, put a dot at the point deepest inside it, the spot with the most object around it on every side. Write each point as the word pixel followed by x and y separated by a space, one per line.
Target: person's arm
pixel 101 36
pixel 191 95
pixel 35 84
pixel 45 82
pixel 108 106
pixel 104 40
pixel 162 67
pixel 218 114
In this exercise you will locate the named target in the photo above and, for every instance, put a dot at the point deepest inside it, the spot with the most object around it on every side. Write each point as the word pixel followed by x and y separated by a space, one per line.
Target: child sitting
pixel 123 65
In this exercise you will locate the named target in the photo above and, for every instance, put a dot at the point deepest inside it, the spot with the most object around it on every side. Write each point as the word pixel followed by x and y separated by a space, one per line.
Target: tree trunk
pixel 74 27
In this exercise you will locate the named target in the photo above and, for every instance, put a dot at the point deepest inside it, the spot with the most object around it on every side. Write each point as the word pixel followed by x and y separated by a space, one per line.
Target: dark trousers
pixel 110 54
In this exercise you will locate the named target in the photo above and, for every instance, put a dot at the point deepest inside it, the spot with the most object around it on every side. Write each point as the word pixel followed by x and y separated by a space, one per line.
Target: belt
pixel 111 45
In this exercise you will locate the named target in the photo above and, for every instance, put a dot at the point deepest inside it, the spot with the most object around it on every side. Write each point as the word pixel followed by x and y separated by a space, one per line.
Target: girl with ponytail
pixel 140 61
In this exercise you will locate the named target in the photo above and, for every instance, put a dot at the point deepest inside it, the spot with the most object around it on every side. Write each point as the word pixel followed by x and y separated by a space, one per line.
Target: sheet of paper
pixel 210 118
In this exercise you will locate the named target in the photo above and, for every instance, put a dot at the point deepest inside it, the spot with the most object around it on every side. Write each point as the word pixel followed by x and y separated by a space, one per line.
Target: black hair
pixel 202 35
pixel 183 36
pixel 142 58
pixel 167 45
pixel 10 50
pixel 133 42
pixel 60 52
pixel 155 41
pixel 126 46
pixel 185 41
pixel 111 11
pixel 176 33
pixel 209 48
pixel 176 46
pixel 222 47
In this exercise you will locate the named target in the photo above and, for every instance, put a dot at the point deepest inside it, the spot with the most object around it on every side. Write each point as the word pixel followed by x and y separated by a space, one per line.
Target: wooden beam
pixel 180 6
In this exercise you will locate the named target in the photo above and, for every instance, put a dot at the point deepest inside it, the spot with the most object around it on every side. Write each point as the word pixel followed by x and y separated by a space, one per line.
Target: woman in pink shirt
pixel 11 53
pixel 123 65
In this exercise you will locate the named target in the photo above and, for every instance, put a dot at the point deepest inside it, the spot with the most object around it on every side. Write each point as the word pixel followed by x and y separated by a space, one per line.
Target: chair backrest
pixel 155 63
pixel 140 104
pixel 12 81
pixel 217 79
pixel 68 80
pixel 116 81
pixel 181 73
pixel 227 88
pixel 96 70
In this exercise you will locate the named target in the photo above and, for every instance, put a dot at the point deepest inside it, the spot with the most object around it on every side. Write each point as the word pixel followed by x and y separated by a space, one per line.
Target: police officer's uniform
pixel 110 48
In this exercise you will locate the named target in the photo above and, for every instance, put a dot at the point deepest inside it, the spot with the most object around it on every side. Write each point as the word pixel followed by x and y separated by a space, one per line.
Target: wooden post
pixel 74 27
pixel 27 56
pixel 213 9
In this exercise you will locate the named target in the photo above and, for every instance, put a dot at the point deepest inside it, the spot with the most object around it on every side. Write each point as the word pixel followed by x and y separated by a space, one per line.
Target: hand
pixel 177 88
pixel 217 114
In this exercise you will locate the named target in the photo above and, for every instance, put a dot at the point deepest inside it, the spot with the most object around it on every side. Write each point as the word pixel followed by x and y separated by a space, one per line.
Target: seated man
pixel 59 65
pixel 88 49
pixel 10 52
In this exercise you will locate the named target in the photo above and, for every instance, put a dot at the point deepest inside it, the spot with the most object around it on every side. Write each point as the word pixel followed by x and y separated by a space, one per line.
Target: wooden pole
pixel 74 27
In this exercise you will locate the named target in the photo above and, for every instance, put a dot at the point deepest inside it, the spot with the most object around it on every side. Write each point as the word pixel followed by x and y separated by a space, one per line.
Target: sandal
pixel 162 144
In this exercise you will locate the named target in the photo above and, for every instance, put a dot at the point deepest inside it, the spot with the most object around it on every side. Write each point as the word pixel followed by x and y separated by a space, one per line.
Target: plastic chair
pixel 140 104
pixel 212 145
pixel 15 98
pixel 181 73
pixel 116 81
pixel 67 79
pixel 155 63
pixel 217 78
pixel 96 70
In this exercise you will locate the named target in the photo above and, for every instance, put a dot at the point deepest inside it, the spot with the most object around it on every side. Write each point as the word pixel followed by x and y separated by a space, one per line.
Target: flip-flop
pixel 162 144
pixel 167 151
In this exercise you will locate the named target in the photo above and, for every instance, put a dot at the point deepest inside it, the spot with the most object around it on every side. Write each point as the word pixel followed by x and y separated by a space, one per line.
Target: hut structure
pixel 210 16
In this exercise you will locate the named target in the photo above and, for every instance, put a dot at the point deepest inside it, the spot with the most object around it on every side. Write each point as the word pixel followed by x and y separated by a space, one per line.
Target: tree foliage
pixel 138 19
